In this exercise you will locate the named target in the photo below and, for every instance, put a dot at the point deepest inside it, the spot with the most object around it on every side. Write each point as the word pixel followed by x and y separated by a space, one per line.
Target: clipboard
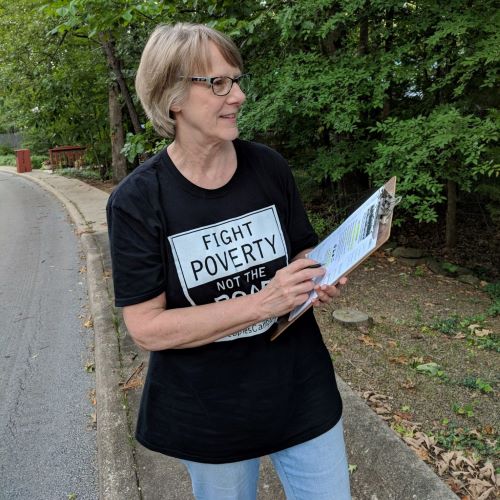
pixel 386 200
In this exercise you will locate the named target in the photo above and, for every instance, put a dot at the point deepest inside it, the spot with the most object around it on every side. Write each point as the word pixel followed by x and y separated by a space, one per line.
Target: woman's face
pixel 204 117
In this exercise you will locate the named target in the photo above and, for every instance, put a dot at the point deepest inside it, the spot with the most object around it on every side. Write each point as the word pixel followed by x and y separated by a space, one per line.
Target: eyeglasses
pixel 222 85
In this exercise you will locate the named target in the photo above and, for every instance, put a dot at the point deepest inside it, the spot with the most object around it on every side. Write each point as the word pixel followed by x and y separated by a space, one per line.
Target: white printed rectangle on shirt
pixel 206 255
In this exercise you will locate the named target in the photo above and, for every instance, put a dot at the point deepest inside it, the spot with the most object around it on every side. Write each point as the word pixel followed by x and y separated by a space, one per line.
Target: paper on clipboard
pixel 365 230
pixel 343 248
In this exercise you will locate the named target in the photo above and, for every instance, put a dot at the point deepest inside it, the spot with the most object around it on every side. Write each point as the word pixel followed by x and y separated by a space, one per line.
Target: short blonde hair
pixel 171 52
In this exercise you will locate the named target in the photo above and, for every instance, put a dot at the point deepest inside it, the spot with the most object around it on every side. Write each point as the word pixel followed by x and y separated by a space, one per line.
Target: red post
pixel 23 160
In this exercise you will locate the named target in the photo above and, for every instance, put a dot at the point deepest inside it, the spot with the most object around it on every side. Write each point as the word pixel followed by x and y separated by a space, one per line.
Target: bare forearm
pixel 155 327
pixel 193 326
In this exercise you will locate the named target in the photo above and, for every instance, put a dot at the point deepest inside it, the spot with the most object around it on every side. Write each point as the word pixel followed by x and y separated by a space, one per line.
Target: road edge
pixel 115 457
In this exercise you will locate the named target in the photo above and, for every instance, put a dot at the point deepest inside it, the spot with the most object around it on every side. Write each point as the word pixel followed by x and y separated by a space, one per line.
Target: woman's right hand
pixel 289 288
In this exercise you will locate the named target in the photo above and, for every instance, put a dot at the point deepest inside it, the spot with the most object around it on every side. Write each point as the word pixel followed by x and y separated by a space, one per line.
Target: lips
pixel 231 116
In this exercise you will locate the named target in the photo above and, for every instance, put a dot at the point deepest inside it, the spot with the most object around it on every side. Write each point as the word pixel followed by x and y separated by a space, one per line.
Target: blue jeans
pixel 314 470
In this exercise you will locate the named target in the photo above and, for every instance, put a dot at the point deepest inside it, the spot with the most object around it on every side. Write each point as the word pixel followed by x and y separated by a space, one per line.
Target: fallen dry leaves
pixel 400 360
pixel 478 331
pixel 135 380
pixel 88 323
pixel 379 403
pixel 468 477
pixel 367 340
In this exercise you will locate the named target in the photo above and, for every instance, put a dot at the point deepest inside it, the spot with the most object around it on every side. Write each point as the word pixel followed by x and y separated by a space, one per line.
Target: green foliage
pixel 448 326
pixel 8 160
pixel 466 410
pixel 410 98
pixel 493 290
pixel 37 160
pixel 55 93
pixel 449 267
pixel 454 437
pixel 490 343
pixel 88 173
pixel 432 369
pixel 490 192
pixel 477 383
pixel 138 145
pixel 321 225
pixel 6 150
pixel 419 271
pixel 345 89
pixel 425 152
pixel 469 328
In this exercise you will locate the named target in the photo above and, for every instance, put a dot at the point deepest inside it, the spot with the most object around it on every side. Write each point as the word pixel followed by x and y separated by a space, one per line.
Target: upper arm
pixel 135 237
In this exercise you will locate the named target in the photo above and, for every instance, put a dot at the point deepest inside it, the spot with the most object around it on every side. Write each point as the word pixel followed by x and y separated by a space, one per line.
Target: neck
pixel 209 166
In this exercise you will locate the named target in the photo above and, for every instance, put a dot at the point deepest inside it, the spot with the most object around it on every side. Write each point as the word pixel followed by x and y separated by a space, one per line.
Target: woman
pixel 209 242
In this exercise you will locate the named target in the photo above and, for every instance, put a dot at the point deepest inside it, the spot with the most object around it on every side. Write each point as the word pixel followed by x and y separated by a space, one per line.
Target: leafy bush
pixel 37 160
pixel 321 225
pixel 424 152
pixel 6 150
pixel 146 143
pixel 490 192
pixel 9 160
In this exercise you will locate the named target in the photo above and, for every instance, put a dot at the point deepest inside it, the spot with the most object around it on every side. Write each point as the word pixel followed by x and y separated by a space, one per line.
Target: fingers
pixel 290 287
pixel 326 293
pixel 299 271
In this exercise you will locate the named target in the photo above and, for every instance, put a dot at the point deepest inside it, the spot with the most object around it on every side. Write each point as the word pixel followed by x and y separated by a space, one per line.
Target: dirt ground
pixel 428 364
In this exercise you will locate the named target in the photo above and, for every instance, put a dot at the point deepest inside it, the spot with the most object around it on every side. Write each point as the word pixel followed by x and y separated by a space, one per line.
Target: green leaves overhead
pixel 91 17
pixel 426 151
pixel 369 88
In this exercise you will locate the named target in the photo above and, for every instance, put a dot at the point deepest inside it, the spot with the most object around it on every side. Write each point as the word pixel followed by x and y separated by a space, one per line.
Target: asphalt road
pixel 47 445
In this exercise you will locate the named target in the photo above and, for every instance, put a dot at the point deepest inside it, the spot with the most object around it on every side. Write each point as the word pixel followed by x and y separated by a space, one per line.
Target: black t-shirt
pixel 242 396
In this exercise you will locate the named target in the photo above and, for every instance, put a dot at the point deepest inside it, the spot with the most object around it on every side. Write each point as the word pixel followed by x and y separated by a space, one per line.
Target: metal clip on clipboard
pixel 386 205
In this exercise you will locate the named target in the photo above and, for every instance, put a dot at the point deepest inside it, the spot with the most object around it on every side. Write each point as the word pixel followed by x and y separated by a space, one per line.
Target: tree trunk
pixel 451 215
pixel 363 37
pixel 118 161
pixel 389 21
pixel 114 64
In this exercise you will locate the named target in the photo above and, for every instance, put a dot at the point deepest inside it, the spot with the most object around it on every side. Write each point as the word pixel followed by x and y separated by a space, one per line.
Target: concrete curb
pixel 386 468
pixel 117 472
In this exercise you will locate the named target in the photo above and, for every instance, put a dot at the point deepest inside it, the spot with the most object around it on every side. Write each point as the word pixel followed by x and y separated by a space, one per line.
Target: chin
pixel 230 135
pixel 236 133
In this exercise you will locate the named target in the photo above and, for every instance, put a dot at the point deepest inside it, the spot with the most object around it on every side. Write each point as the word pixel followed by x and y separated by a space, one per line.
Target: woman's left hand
pixel 326 293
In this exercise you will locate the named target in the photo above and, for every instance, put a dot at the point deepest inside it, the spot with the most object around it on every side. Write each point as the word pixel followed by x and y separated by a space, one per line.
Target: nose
pixel 236 94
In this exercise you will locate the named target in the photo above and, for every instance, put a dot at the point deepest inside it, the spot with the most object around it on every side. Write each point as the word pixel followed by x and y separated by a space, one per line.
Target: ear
pixel 175 108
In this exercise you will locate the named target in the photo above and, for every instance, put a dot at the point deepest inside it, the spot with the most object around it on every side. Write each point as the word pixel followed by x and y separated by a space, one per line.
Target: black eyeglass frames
pixel 222 85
